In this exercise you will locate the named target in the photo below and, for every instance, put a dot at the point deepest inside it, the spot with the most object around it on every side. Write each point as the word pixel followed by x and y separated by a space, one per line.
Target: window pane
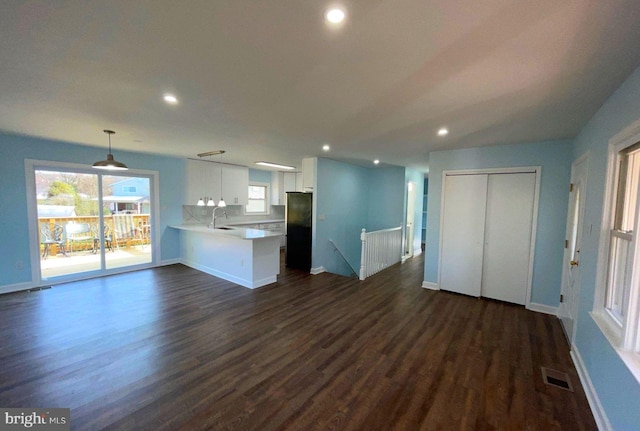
pixel 628 178
pixel 257 192
pixel 618 275
pixel 256 206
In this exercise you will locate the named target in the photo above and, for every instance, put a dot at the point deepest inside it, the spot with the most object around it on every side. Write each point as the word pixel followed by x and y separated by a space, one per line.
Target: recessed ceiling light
pixel 376 161
pixel 275 165
pixel 170 99
pixel 326 147
pixel 443 131
pixel 335 15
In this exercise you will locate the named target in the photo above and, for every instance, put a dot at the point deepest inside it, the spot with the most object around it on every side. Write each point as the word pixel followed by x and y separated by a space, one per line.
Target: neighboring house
pixel 129 196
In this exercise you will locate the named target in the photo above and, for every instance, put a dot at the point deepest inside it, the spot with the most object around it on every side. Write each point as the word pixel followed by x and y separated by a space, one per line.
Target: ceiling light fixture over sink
pixel 208 201
pixel 110 164
pixel 275 165
pixel 221 202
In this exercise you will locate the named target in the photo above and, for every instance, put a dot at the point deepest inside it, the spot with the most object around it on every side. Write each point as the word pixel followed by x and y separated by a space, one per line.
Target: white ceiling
pixel 270 80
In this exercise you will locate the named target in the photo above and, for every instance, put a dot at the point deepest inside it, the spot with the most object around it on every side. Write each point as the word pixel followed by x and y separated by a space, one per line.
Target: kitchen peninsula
pixel 248 257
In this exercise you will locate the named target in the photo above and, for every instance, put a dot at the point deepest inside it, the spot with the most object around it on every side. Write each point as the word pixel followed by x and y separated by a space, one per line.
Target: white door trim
pixel 534 225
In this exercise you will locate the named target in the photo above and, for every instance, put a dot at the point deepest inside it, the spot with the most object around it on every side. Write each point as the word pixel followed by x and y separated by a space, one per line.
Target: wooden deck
pixel 175 349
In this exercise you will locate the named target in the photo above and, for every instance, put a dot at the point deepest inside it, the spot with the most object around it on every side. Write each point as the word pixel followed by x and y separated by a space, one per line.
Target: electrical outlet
pixel 19 264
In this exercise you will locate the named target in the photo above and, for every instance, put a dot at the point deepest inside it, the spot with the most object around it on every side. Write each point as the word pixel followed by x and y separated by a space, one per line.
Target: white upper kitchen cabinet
pixel 235 185
pixel 292 182
pixel 202 180
pixel 308 174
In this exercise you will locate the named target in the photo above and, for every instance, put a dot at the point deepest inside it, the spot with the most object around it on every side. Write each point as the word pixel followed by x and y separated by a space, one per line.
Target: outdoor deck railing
pixel 140 221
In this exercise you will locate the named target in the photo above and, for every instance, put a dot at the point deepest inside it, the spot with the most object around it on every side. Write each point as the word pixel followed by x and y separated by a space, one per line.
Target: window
pixel 621 235
pixel 258 199
pixel 617 305
pixel 129 189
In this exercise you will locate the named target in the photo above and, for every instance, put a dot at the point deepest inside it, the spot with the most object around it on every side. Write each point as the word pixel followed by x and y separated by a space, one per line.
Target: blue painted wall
pixel 386 194
pixel 259 175
pixel 349 198
pixel 618 390
pixel 340 214
pixel 555 159
pixel 14 231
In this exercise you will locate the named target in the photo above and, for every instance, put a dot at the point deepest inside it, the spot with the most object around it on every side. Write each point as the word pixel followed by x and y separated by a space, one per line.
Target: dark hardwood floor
pixel 175 349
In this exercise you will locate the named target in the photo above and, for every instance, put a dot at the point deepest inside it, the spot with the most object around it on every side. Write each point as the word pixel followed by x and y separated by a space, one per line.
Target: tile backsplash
pixel 192 214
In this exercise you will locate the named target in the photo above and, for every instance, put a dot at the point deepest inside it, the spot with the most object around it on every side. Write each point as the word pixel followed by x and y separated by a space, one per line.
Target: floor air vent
pixel 557 379
pixel 35 289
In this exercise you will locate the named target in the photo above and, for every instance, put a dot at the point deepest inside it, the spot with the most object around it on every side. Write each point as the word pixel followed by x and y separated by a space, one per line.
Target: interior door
pixel 463 226
pixel 507 239
pixel 571 261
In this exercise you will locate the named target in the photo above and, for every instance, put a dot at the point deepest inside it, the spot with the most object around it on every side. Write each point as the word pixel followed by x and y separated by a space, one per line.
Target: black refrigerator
pixel 298 223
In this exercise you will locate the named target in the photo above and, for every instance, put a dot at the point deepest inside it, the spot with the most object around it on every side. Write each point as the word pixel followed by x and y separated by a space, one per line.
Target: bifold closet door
pixel 507 236
pixel 463 227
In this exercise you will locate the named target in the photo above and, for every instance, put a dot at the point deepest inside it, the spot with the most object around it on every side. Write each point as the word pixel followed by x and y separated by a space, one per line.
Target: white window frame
pixel 267 202
pixel 623 334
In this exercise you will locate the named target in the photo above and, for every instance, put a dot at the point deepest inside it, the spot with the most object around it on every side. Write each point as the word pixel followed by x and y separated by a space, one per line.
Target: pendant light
pixel 110 164
pixel 221 203
pixel 211 203
pixel 200 202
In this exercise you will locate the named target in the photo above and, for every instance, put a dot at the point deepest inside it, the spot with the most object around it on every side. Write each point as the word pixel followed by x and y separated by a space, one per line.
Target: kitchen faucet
pixel 213 224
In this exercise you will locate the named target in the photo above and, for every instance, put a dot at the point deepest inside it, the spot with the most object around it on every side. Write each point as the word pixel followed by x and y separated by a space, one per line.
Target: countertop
pixel 234 232
pixel 242 223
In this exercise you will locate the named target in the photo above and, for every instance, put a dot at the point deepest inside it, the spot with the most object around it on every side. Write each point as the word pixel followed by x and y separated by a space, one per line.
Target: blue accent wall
pixel 555 159
pixel 259 175
pixel 340 214
pixel 349 198
pixel 386 197
pixel 618 390
pixel 14 231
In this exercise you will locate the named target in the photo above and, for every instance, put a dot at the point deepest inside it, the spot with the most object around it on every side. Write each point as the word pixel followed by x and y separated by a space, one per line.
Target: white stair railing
pixel 380 250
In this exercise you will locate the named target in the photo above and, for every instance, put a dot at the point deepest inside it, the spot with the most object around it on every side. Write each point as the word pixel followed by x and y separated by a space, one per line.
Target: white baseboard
pixel 17 287
pixel 417 251
pixel 229 277
pixel 167 262
pixel 318 270
pixel 430 285
pixel 542 308
pixel 592 396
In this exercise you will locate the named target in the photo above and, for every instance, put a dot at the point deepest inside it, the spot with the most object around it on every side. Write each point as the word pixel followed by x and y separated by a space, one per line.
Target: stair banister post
pixel 363 238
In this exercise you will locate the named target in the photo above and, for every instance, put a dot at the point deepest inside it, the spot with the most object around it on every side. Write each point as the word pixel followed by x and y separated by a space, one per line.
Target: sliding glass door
pixel 91 223
pixel 127 220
